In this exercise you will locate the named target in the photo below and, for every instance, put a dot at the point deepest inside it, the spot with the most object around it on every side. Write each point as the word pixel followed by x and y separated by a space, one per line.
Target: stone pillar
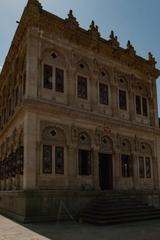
pixel 155 106
pixel 151 111
pixel 71 88
pixel 116 169
pixel 72 166
pixel 155 172
pixel 32 63
pixel 94 92
pixel 131 105
pixel 30 156
pixel 135 170
pixel 95 168
pixel 157 160
pixel 114 100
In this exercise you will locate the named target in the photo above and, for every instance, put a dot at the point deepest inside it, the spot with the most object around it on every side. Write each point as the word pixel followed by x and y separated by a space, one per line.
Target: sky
pixel 134 20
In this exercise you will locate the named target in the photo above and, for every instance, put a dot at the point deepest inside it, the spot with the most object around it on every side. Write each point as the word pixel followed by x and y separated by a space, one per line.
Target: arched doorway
pixel 105 164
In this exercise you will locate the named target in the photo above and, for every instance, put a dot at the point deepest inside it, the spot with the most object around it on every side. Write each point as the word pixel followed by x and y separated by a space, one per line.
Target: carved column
pixel 135 169
pixel 155 105
pixel 131 105
pixel 157 160
pixel 94 92
pixel 155 173
pixel 114 100
pixel 152 113
pixel 71 85
pixel 32 63
pixel 72 166
pixel 95 168
pixel 117 168
pixel 30 156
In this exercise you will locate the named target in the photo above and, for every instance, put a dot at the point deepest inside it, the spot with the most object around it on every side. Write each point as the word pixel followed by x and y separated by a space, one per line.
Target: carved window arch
pixel 106 144
pixel 53 151
pixel 104 87
pixel 145 160
pixel 126 158
pixel 84 154
pixel 54 65
pixel 82 70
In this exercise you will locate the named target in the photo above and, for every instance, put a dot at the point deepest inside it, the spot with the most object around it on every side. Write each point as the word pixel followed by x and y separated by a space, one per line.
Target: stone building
pixel 77 113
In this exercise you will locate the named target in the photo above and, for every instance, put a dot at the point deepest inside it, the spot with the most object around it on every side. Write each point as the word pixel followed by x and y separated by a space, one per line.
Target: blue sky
pixel 136 20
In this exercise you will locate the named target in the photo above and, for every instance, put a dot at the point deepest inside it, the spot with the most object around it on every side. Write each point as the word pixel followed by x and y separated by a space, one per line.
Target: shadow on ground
pixel 10 230
pixel 149 230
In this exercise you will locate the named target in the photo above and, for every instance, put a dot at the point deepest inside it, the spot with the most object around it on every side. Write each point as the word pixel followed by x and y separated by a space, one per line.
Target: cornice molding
pixel 48 23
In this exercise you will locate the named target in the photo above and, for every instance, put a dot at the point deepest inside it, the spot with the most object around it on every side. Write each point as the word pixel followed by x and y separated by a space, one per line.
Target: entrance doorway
pixel 105 171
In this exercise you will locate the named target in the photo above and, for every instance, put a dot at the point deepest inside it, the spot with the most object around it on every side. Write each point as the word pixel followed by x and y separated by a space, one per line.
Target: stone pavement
pixel 9 230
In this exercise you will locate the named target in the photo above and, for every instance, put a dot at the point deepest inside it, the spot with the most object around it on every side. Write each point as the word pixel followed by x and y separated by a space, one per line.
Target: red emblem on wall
pixel 106 130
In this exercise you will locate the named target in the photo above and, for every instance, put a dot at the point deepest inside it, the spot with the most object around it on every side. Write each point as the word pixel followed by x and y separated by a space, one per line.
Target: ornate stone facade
pixel 76 110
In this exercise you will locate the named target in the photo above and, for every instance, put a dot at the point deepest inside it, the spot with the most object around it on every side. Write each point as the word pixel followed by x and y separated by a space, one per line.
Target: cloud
pixel 0 68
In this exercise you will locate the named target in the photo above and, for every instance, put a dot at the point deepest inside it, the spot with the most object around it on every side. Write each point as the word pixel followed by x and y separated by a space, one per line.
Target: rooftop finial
pixel 113 39
pixel 151 59
pixel 70 14
pixel 94 29
pixel 35 2
pixel 71 20
pixel 130 48
pixel 92 26
pixel 111 35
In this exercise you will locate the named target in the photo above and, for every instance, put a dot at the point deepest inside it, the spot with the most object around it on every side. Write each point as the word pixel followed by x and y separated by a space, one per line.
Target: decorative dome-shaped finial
pixel 71 20
pixel 92 25
pixel 70 14
pixel 111 35
pixel 130 48
pixel 35 3
pixel 113 40
pixel 151 59
pixel 93 29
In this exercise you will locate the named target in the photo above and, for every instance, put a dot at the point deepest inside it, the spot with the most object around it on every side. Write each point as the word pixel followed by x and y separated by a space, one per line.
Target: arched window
pixel 126 159
pixel 104 80
pixel 84 154
pixel 123 94
pixel 145 157
pixel 82 80
pixel 53 151
pixel 54 71
pixel 141 101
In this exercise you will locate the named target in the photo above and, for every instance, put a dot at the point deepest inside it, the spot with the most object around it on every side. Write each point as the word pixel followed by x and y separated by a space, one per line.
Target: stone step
pixel 115 205
pixel 121 220
pixel 117 208
pixel 121 215
pixel 116 197
pixel 121 211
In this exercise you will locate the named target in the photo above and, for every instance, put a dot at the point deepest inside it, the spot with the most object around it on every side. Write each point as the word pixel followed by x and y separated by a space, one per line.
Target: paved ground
pixel 9 230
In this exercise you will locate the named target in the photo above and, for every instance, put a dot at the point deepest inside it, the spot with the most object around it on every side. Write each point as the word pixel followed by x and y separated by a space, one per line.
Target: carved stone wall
pixel 11 161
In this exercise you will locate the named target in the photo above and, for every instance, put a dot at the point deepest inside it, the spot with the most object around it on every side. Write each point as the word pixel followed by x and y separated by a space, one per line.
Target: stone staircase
pixel 116 208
